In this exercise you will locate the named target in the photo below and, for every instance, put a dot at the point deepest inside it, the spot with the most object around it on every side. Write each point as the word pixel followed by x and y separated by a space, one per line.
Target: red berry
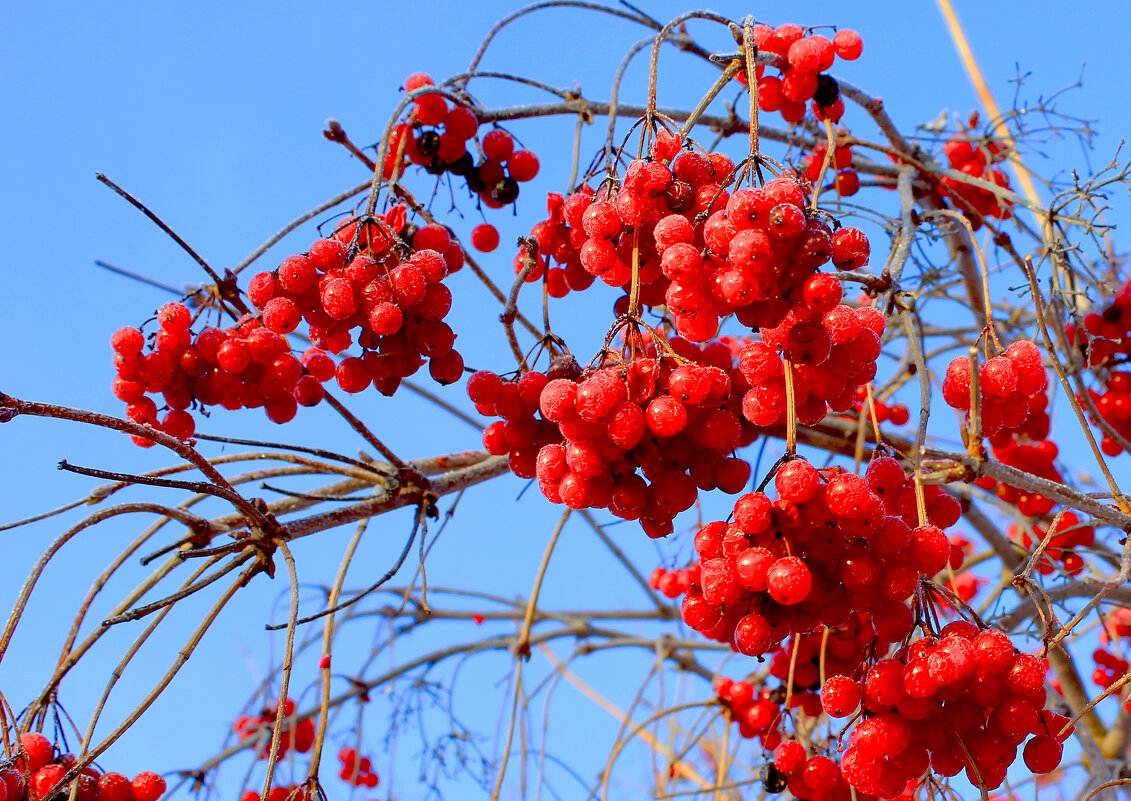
pixel 840 696
pixel 45 778
pixel 753 635
pixel 484 238
pixel 1042 754
pixel 37 751
pixel 797 481
pixel 788 580
pixel 281 315
pixel 127 341
pixel 174 316
pixel 848 44
pixel 523 165
pixel 498 145
pixel 148 786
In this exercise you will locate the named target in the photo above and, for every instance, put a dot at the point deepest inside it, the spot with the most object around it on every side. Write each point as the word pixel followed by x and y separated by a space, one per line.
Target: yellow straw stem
pixel 986 97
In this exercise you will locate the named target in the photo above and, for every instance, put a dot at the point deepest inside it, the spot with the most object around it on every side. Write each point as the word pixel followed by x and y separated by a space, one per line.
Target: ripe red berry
pixel 840 696
pixel 127 341
pixel 1042 754
pixel 788 580
pixel 848 44
pixel 148 786
pixel 281 315
pixel 498 145
pixel 484 237
pixel 115 787
pixel 46 778
pixel 523 165
pixel 753 635
pixel 789 757
pixel 797 481
pixel 174 316
pixel 37 751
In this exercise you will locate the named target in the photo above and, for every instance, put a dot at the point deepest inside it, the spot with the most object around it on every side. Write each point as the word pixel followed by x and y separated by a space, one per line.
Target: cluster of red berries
pixel 845 181
pixel 560 238
pixel 695 248
pixel 964 584
pixel 356 771
pixel 638 437
pixel 1109 668
pixel 762 251
pixel 962 700
pixel 992 697
pixel 832 350
pixel 1106 342
pixel 757 712
pixel 299 735
pixel 975 158
pixel 1117 625
pixel 894 413
pixel 1011 390
pixel 832 544
pixel 390 294
pixel 604 233
pixel 843 651
pixel 245 365
pixel 1114 405
pixel 435 137
pixel 1106 338
pixel 43 769
pixel 1069 533
pixel 808 57
pixel 1036 457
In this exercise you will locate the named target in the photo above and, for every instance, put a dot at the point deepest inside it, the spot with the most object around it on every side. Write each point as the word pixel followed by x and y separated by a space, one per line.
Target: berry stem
pixel 750 61
pixel 790 411
pixel 234 300
pixel 522 648
pixel 285 683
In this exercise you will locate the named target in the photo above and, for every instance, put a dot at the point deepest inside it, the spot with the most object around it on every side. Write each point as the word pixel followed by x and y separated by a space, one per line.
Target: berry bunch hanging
pixel 1011 388
pixel 804 76
pixel 299 735
pixel 367 282
pixel 831 350
pixel 639 436
pixel 845 180
pixel 40 767
pixel 357 771
pixel 1106 338
pixel 975 157
pixel 832 543
pixel 435 137
pixel 242 366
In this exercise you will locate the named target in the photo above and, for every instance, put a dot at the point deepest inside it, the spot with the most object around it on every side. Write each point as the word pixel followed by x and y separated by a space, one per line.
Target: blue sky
pixel 210 113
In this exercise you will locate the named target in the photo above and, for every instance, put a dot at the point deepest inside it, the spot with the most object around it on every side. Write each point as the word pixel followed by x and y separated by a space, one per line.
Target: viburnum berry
pixel 797 481
pixel 848 44
pixel 148 786
pixel 840 696
pixel 37 750
pixel 174 316
pixel 788 580
pixel 1043 754
pixel 127 341
pixel 789 757
pixel 484 237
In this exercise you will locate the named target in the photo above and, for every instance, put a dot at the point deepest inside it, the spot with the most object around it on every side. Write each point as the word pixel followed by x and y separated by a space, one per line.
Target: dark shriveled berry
pixel 505 191
pixel 828 91
pixel 773 780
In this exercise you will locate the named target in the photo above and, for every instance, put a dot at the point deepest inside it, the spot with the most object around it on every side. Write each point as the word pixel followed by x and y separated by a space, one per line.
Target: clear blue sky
pixel 210 112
